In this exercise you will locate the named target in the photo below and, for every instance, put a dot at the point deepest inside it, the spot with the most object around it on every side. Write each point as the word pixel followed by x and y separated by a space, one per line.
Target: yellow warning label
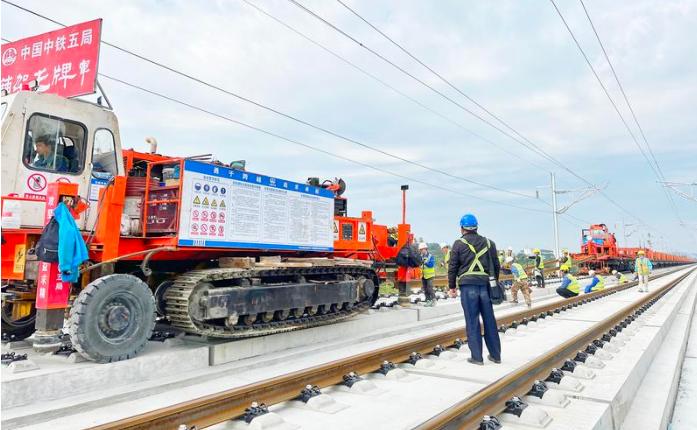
pixel 20 258
pixel 222 204
pixel 197 201
pixel 336 227
pixel 362 236
pixel 205 201
pixel 214 204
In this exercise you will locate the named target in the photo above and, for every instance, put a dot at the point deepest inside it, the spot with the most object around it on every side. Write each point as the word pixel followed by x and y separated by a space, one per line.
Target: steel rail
pixel 490 400
pixel 229 404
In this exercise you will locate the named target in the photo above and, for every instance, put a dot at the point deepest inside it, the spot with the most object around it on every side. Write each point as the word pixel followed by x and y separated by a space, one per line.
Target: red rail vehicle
pixel 216 250
pixel 599 251
pixel 212 248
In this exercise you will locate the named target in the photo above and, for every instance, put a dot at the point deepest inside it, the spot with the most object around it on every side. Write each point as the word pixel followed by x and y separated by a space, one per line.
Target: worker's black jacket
pixel 538 259
pixel 461 258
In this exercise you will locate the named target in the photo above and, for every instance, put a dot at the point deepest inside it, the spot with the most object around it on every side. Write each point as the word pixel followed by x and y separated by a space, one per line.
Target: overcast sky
pixel 515 58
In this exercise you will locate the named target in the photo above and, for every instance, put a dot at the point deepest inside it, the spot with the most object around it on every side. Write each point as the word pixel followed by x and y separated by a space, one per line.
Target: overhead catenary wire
pixel 296 142
pixel 270 133
pixel 621 87
pixel 311 147
pixel 525 142
pixel 658 169
pixel 655 169
pixel 387 85
pixel 283 114
pixel 331 154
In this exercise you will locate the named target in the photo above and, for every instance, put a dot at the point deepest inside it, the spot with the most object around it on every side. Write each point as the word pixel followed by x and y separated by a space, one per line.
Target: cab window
pixel 104 155
pixel 54 145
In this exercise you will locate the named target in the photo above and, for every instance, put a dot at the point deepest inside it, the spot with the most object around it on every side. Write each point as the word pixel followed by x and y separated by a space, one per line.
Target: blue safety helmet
pixel 468 221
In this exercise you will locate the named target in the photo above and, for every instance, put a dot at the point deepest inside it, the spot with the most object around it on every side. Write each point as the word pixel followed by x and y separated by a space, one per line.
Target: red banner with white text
pixel 63 62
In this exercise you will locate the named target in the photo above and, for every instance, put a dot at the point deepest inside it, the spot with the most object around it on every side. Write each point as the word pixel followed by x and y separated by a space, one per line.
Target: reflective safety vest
pixel 541 266
pixel 476 268
pixel 521 272
pixel 573 285
pixel 567 261
pixel 622 279
pixel 446 259
pixel 600 285
pixel 427 272
pixel 641 266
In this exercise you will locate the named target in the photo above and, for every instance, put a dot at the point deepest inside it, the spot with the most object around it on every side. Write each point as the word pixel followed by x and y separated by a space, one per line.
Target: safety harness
pixel 476 268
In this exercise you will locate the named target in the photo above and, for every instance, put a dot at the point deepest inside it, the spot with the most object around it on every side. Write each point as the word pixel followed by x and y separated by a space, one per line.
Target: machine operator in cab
pixel 46 157
pixel 473 259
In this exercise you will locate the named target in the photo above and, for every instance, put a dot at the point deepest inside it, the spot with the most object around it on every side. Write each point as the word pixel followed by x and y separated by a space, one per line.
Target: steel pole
pixel 556 216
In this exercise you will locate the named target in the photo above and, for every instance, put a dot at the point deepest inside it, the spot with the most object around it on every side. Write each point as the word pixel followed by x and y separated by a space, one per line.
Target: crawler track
pixel 181 296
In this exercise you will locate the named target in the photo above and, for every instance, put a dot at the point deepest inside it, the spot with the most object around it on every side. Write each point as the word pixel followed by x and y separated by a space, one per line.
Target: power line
pixel 420 81
pixel 619 84
pixel 285 115
pixel 602 85
pixel 525 142
pixel 385 84
pixel 529 145
pixel 438 75
pixel 631 110
pixel 311 147
pixel 614 105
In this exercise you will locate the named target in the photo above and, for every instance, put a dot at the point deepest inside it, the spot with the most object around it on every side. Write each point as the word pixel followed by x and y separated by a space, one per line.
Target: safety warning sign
pixel 223 207
pixel 36 182
pixel 362 232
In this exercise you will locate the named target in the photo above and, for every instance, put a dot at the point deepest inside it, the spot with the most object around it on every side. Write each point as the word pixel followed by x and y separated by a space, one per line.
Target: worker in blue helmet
pixel 472 259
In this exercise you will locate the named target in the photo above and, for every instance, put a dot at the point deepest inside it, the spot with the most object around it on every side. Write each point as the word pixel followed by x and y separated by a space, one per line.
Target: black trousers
pixel 427 287
pixel 566 293
pixel 540 281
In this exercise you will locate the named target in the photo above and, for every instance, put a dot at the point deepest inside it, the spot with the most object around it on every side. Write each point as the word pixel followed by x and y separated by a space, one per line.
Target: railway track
pixel 490 400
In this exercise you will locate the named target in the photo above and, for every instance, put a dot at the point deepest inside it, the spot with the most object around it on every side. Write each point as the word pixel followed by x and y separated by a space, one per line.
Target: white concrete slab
pixel 402 406
pixel 653 402
pixel 578 415
pixel 617 383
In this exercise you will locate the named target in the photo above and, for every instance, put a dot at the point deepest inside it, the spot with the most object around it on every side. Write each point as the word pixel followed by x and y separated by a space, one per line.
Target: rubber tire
pixel 21 329
pixel 85 334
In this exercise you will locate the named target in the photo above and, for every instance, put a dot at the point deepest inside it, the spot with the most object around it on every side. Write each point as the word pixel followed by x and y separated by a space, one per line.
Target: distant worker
pixel 502 257
pixel 472 261
pixel 569 285
pixel 597 282
pixel 445 248
pixel 520 281
pixel 621 279
pixel 643 267
pixel 565 259
pixel 428 272
pixel 539 268
pixel 509 252
pixel 392 236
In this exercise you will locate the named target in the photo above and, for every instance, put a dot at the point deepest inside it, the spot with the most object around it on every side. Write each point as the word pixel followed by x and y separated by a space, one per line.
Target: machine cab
pixel 47 138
